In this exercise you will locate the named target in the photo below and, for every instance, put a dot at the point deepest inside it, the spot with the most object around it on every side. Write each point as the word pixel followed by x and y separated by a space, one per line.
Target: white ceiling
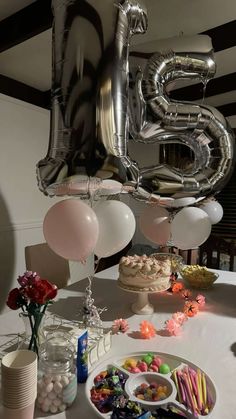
pixel 8 7
pixel 30 61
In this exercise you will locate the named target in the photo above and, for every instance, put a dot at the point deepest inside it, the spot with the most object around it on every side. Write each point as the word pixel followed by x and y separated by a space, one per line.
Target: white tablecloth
pixel 208 340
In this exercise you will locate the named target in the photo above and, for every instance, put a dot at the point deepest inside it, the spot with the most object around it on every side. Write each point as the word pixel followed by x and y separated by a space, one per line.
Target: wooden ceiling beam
pixel 25 24
pixel 24 92
pixel 214 87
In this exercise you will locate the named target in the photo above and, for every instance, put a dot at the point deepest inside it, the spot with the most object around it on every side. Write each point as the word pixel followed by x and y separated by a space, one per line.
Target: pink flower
pixel 179 317
pixel 201 300
pixel 29 278
pixel 186 294
pixel 173 327
pixel 120 326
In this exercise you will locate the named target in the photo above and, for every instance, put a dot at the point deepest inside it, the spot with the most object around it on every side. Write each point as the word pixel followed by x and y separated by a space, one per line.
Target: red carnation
pixel 41 292
pixel 14 300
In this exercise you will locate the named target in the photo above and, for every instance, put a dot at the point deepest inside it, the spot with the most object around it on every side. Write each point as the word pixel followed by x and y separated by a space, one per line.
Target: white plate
pixel 174 362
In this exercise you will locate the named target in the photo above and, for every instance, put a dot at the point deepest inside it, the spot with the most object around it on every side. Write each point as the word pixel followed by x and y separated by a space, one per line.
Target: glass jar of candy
pixel 57 378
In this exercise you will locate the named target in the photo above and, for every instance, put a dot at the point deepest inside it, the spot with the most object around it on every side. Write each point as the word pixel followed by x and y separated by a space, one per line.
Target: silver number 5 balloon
pixel 155 118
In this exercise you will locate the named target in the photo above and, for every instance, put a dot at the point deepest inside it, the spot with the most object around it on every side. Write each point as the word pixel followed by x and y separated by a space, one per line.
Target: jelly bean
pixel 157 361
pixel 142 366
pixel 135 370
pixel 164 369
pixel 148 359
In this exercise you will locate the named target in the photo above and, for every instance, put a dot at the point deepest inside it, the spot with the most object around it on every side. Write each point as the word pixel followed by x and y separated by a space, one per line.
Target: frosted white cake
pixel 143 273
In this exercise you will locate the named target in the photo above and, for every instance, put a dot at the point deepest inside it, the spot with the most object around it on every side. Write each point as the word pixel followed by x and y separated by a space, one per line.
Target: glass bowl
pixel 198 277
pixel 176 261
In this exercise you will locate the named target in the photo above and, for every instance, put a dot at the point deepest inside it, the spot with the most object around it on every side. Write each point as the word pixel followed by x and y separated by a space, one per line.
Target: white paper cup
pixel 19 379
pixel 25 413
pixel 19 359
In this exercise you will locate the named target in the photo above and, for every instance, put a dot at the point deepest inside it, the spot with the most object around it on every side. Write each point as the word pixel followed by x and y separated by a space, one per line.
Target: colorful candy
pixel 152 393
pixel 164 369
pixel 148 362
pixel 108 385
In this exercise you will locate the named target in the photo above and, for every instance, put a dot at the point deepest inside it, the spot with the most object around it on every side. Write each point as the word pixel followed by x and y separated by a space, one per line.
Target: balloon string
pixel 96 263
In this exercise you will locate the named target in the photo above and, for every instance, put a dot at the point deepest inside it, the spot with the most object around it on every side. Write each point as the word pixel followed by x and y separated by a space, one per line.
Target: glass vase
pixel 30 336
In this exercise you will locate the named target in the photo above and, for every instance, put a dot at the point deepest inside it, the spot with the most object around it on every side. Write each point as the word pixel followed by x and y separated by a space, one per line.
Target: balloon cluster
pixel 104 105
pixel 185 229
pixel 74 230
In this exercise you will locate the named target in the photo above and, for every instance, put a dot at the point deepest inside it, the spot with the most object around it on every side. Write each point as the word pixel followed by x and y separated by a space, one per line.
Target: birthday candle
pixel 188 392
pixel 191 389
pixel 177 386
pixel 199 402
pixel 204 392
pixel 182 390
pixel 199 381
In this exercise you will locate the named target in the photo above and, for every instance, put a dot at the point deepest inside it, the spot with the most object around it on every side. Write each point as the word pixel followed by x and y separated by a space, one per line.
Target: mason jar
pixel 57 378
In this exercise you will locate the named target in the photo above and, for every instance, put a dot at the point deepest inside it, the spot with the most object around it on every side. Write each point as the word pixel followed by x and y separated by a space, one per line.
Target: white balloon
pixel 190 228
pixel 154 224
pixel 183 202
pixel 116 227
pixel 110 187
pixel 214 210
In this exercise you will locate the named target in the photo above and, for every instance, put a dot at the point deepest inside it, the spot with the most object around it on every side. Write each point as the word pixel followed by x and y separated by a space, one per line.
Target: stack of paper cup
pixel 19 384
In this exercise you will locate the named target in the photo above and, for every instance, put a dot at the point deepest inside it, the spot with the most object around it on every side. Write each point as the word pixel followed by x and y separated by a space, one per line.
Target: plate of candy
pixel 150 385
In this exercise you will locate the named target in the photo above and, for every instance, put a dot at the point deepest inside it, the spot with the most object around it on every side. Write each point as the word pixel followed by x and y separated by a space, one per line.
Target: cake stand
pixel 142 304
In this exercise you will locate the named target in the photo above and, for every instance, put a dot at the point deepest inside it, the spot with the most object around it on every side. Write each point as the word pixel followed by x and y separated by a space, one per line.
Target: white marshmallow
pixel 45 408
pixel 49 387
pixel 56 402
pixel 53 409
pixel 62 407
pixel 52 395
pixel 65 380
pixel 57 387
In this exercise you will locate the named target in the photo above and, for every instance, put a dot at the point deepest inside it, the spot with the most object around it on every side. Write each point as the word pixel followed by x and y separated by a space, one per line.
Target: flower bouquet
pixel 33 296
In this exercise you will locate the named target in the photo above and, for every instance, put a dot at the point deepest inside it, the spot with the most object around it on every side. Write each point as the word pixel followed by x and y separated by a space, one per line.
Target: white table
pixel 208 340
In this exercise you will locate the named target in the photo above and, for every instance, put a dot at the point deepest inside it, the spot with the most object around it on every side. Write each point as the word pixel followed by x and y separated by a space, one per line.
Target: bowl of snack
pixel 198 276
pixel 175 261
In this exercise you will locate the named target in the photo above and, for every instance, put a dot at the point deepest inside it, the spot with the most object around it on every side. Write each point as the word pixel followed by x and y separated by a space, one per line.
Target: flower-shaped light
pixel 179 317
pixel 173 327
pixel 177 287
pixel 191 308
pixel 120 326
pixel 200 299
pixel 186 294
pixel 147 329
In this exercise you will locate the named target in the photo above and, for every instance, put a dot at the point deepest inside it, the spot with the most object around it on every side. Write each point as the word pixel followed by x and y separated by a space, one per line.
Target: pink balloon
pixel 154 224
pixel 71 229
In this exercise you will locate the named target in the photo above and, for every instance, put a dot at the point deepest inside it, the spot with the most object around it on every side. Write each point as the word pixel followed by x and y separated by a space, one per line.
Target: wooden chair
pixel 189 256
pixel 211 252
pixel 105 263
pixel 41 259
